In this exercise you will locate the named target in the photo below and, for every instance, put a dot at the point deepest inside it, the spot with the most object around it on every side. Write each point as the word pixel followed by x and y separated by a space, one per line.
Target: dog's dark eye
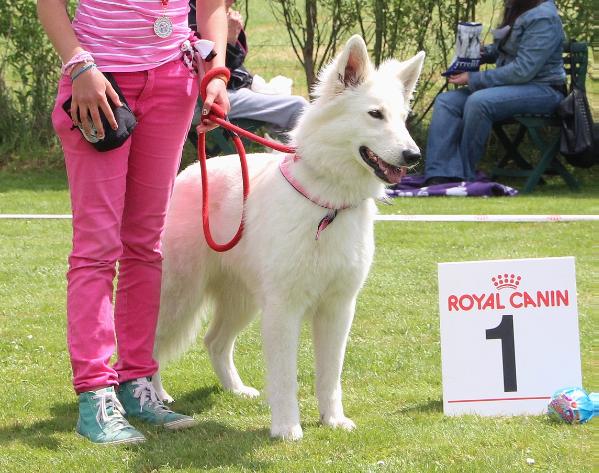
pixel 376 114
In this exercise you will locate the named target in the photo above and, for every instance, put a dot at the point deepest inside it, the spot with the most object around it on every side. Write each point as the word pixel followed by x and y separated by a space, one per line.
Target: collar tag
pixel 324 223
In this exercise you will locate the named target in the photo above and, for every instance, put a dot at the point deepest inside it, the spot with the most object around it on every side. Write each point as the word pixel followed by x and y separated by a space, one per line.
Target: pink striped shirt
pixel 120 33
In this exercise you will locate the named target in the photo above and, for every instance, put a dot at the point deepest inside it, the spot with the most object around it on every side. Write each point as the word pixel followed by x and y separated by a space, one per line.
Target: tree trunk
pixel 379 28
pixel 308 49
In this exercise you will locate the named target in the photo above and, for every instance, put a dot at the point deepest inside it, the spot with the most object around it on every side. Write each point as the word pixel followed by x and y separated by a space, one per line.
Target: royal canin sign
pixel 517 299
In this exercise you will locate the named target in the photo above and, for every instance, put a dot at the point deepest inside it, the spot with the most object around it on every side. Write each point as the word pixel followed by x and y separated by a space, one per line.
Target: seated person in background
pixel 529 78
pixel 279 112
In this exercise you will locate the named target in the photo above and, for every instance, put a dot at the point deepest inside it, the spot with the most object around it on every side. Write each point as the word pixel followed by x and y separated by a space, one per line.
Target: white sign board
pixel 509 334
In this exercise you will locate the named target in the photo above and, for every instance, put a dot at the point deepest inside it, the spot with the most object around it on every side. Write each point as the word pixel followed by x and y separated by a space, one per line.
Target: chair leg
pixel 192 137
pixel 511 147
pixel 512 154
pixel 223 144
pixel 549 156
pixel 566 175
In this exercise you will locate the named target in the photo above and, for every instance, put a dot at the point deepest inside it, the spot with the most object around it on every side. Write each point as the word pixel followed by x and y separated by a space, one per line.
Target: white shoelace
pixel 145 392
pixel 107 400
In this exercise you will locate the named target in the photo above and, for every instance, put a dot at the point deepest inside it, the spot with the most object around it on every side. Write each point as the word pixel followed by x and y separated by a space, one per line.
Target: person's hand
pixel 216 93
pixel 235 25
pixel 459 79
pixel 91 91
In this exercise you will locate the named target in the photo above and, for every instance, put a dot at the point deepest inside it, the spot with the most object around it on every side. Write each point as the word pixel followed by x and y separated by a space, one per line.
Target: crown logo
pixel 503 281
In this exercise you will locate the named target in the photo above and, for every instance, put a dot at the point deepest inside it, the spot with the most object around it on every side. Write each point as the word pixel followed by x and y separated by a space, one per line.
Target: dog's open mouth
pixel 385 171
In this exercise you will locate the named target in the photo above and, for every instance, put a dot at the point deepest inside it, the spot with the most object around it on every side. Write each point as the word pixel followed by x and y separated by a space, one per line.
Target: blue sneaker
pixel 140 401
pixel 101 419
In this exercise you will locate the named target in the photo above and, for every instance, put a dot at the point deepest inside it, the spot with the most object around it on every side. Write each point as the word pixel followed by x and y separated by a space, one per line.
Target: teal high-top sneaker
pixel 140 400
pixel 101 419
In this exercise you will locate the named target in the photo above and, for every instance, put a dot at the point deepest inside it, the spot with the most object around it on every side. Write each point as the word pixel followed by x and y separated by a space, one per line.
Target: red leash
pixel 217 115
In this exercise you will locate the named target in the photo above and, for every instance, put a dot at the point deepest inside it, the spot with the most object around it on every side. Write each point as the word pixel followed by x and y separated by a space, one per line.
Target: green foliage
pixel 579 17
pixel 398 28
pixel 29 70
pixel 315 28
pixel 29 67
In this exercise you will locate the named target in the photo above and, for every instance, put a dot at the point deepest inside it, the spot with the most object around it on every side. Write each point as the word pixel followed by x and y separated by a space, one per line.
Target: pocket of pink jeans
pixel 61 121
pixel 178 69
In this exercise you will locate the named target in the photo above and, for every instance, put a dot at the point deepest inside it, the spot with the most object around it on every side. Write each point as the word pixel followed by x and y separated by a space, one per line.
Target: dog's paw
pixel 340 422
pixel 246 391
pixel 287 432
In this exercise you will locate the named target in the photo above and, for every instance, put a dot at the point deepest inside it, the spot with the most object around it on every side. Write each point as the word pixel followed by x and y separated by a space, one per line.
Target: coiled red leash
pixel 217 115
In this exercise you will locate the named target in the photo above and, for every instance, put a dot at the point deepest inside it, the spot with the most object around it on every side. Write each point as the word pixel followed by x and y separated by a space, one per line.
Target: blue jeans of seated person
pixel 279 112
pixel 462 121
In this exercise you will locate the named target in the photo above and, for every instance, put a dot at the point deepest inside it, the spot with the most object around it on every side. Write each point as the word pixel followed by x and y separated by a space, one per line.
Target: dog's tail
pixel 178 325
pixel 180 319
pixel 184 271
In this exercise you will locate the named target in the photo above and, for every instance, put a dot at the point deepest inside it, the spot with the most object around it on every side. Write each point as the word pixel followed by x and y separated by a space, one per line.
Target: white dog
pixel 289 264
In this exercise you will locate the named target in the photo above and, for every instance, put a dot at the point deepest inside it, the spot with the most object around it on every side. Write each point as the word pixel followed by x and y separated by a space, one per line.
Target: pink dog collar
pixel 285 167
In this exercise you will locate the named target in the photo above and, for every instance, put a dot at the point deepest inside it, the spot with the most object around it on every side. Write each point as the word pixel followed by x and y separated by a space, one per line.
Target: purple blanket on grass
pixel 413 186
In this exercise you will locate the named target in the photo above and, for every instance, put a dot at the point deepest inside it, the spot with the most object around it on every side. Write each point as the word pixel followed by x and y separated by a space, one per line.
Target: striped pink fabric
pixel 120 33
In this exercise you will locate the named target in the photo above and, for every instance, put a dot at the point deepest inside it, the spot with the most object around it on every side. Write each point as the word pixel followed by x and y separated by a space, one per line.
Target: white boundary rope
pixel 394 218
pixel 35 216
pixel 487 218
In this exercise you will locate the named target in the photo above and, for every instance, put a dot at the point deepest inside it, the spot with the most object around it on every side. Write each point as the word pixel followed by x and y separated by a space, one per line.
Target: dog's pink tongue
pixel 396 175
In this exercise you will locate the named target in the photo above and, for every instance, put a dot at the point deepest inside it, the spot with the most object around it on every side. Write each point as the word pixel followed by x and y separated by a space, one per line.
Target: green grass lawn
pixel 392 375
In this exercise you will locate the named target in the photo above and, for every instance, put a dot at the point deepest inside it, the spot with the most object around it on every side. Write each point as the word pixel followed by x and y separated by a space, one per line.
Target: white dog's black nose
pixel 410 157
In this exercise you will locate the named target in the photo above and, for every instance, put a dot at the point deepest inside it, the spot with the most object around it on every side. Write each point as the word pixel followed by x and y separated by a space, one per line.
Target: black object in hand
pixel 123 115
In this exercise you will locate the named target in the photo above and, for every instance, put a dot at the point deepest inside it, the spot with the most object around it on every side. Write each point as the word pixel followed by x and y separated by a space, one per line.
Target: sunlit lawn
pixel 392 377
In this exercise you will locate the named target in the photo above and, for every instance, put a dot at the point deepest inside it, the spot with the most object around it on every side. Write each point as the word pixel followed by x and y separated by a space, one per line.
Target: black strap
pixel 572 70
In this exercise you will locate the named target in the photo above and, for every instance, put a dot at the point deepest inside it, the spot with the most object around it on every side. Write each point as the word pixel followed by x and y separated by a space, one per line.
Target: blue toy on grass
pixel 573 405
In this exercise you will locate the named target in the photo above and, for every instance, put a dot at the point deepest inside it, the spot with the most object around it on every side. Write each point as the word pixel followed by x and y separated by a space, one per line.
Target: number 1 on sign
pixel 505 332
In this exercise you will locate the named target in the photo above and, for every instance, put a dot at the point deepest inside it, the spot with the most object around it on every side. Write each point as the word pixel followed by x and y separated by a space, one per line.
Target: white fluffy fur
pixel 278 268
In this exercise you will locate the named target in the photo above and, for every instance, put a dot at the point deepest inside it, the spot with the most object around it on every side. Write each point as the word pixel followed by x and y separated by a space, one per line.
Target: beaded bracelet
pixel 82 56
pixel 85 68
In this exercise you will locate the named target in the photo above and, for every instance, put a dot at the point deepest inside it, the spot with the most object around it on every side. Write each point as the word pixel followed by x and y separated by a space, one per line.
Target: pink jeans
pixel 119 200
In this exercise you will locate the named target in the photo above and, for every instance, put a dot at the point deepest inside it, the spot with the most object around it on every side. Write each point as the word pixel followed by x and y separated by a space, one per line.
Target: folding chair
pixel 217 140
pixel 575 63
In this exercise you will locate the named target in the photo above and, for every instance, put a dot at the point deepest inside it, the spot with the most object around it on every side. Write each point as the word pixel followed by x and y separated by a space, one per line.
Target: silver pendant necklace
pixel 163 26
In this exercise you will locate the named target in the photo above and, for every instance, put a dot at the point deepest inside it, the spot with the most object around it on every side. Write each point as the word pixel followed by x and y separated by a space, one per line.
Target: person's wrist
pixel 76 68
pixel 80 57
pixel 222 77
pixel 233 36
pixel 87 66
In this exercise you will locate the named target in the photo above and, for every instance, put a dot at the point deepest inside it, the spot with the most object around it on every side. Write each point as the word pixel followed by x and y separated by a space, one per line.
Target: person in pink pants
pixel 119 198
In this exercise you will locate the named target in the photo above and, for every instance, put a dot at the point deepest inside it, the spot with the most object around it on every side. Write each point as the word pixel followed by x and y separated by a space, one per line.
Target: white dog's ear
pixel 409 72
pixel 353 65
pixel 349 69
